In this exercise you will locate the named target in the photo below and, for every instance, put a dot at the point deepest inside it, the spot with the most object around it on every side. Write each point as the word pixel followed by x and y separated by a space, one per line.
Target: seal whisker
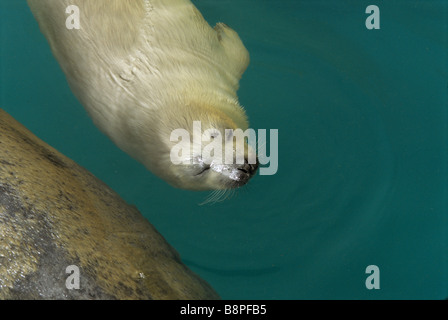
pixel 218 196
pixel 210 198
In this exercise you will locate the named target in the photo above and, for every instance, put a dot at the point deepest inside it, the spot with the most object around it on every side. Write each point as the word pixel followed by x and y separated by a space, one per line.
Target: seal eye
pixel 214 134
pixel 229 134
pixel 203 169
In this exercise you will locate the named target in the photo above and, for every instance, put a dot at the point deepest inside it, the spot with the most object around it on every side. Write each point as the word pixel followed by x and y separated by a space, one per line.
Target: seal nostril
pixel 247 168
pixel 242 169
pixel 250 167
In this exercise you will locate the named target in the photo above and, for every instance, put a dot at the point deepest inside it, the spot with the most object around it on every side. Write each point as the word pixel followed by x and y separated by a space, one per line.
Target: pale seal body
pixel 144 68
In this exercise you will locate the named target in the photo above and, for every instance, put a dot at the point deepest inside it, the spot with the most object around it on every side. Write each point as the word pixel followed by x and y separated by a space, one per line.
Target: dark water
pixel 362 176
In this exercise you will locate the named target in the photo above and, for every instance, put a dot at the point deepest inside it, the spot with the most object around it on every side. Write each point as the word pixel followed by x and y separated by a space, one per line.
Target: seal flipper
pixel 234 49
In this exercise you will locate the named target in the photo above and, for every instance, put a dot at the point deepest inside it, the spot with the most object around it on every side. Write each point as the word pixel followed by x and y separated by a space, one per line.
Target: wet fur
pixel 143 68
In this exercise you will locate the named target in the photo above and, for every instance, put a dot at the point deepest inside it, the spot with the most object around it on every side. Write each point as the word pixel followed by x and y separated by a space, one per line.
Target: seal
pixel 143 68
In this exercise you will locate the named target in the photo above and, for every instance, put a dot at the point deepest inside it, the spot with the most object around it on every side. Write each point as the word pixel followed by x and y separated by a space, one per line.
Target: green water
pixel 362 176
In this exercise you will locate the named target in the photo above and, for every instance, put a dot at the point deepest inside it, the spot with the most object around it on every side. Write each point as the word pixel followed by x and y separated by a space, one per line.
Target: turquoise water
pixel 362 176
